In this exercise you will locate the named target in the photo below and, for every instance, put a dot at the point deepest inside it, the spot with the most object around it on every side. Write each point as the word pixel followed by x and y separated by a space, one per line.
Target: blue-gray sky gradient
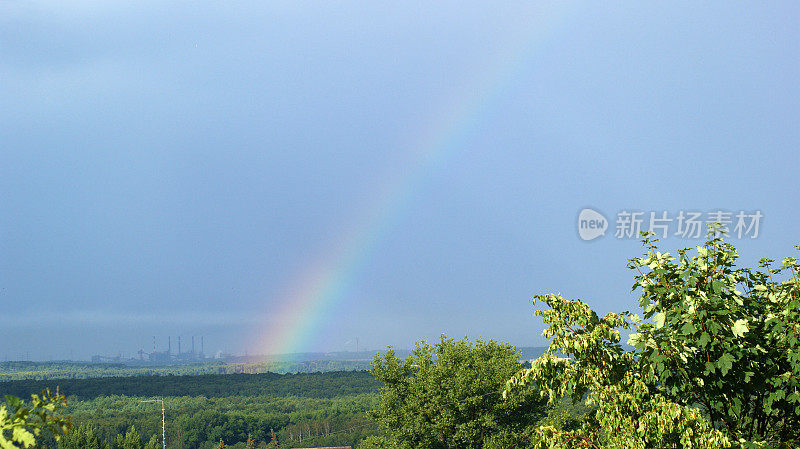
pixel 167 167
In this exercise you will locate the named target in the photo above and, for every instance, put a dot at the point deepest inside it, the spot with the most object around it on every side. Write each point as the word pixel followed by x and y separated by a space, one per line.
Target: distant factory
pixel 157 357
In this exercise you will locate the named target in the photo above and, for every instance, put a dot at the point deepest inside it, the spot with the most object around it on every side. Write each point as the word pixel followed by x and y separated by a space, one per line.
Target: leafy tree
pixel 718 366
pixel 84 436
pixel 273 440
pixel 375 442
pixel 21 424
pixel 133 440
pixel 447 395
pixel 154 443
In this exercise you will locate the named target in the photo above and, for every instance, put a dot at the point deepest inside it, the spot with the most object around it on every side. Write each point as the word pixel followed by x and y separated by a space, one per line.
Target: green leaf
pixel 659 319
pixel 22 435
pixel 704 340
pixel 739 327
pixel 5 444
pixel 724 363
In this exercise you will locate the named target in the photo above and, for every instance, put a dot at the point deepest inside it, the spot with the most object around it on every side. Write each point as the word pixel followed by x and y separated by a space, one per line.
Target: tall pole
pixel 163 422
pixel 163 426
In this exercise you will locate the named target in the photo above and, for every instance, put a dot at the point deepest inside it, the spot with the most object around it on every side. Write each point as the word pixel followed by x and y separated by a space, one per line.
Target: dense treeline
pixel 23 370
pixel 312 385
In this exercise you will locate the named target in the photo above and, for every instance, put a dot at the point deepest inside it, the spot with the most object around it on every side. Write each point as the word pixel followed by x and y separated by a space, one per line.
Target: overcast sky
pixel 173 168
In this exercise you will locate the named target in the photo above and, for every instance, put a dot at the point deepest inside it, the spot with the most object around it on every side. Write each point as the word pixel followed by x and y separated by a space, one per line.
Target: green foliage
pixel 194 422
pixel 726 339
pixel 376 442
pixel 325 409
pixel 84 436
pixel 23 370
pixel 447 395
pixel 131 440
pixel 718 365
pixel 319 385
pixel 21 424
pixel 568 415
pixel 154 443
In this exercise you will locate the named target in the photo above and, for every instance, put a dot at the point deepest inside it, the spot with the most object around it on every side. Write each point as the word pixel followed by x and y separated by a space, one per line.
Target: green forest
pixel 312 385
pixel 22 370
pixel 711 359
pixel 202 410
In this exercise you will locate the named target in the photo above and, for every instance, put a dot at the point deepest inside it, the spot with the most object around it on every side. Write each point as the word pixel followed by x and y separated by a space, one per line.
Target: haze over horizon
pixel 298 175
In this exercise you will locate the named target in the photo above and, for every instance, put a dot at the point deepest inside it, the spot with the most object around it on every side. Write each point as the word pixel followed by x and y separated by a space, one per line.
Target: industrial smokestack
pixel 179 345
pixel 169 345
pixel 202 346
pixel 192 345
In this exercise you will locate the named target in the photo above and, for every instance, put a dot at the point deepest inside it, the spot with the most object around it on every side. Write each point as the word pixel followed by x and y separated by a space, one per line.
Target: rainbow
pixel 308 298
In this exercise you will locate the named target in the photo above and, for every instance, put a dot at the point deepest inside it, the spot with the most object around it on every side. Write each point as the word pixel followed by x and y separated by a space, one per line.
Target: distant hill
pixel 527 352
pixel 309 362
